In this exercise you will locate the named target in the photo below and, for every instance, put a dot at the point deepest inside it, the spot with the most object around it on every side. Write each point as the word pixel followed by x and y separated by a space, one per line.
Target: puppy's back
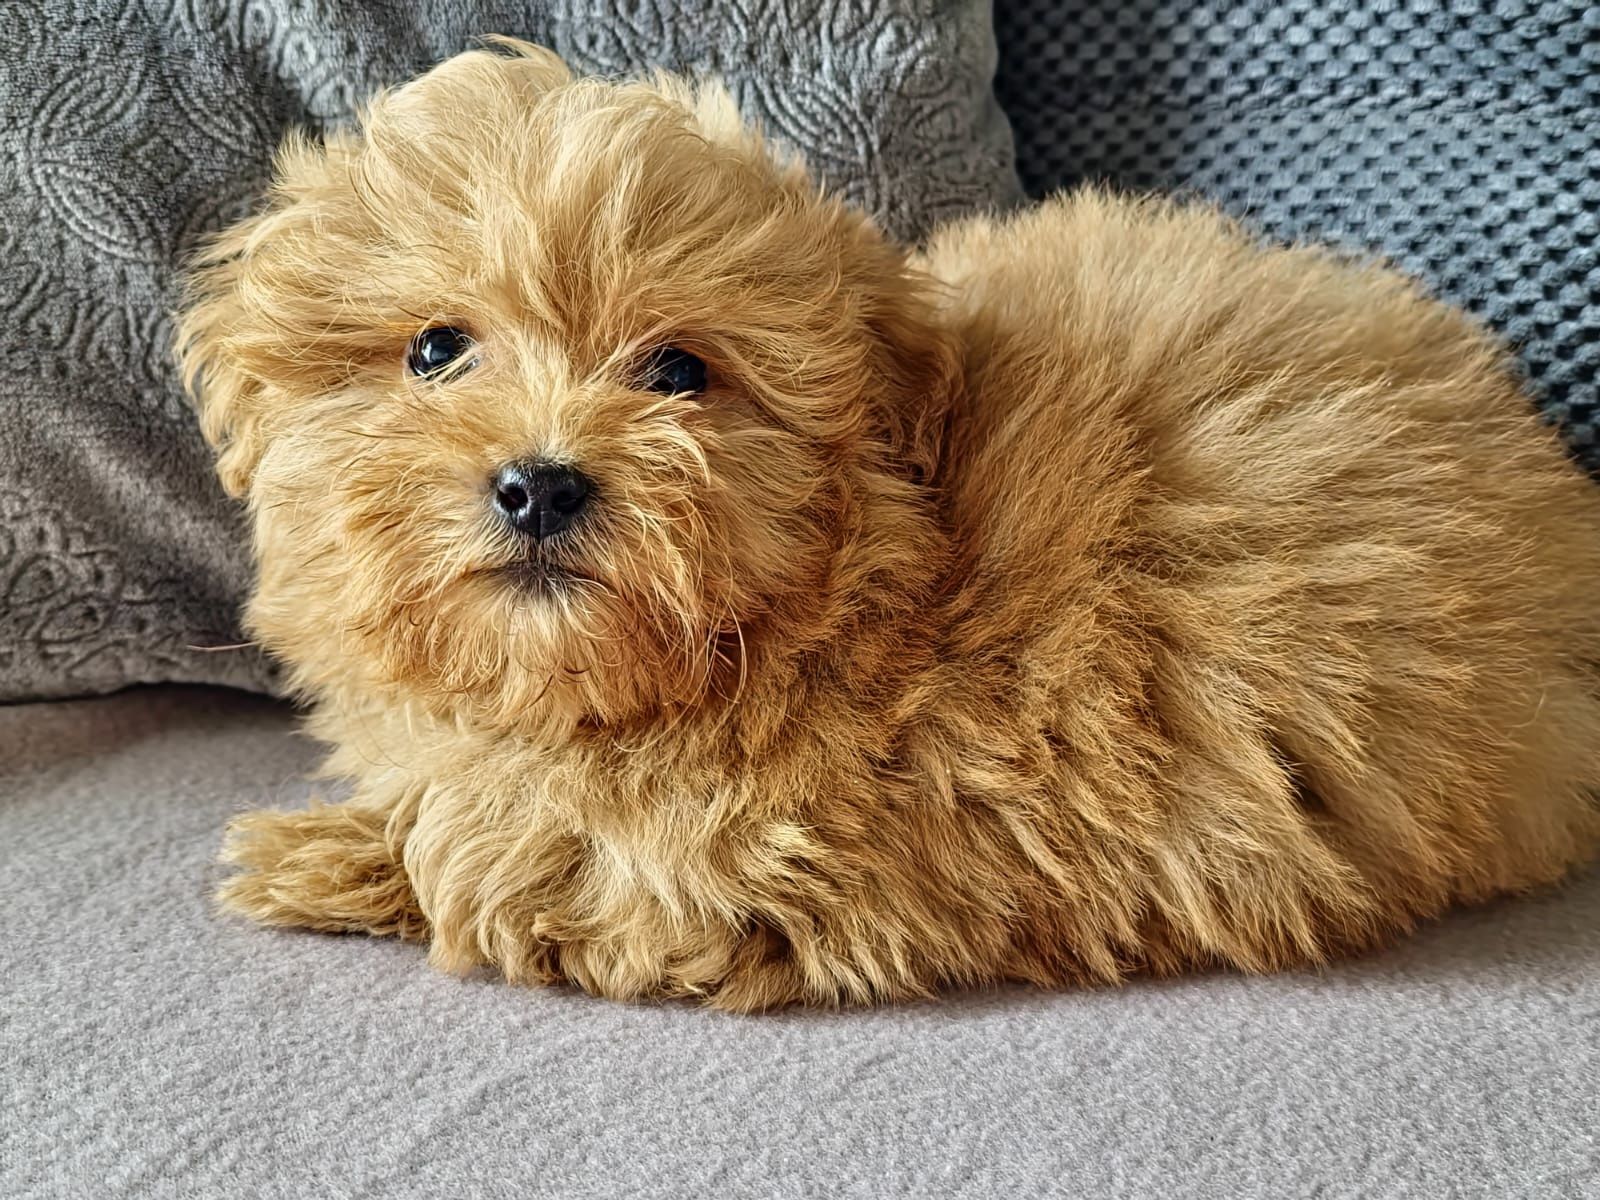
pixel 1306 514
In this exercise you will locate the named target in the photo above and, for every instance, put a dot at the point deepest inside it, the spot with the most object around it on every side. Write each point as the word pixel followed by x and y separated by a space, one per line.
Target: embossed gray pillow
pixel 129 128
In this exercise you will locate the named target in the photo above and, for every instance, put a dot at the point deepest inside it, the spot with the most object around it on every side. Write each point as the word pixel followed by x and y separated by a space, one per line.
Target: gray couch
pixel 153 1049
pixel 149 1047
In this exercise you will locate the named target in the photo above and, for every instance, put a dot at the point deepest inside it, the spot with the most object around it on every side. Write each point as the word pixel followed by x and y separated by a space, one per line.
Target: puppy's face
pixel 547 395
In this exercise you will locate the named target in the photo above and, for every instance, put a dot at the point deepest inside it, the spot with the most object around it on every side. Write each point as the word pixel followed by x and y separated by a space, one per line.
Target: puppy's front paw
pixel 763 976
pixel 327 867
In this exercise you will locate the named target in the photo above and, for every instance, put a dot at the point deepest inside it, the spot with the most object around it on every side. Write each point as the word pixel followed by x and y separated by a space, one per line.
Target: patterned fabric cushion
pixel 128 128
pixel 1461 140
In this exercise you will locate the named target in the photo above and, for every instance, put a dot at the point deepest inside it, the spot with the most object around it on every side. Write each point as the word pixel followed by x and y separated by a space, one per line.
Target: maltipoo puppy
pixel 706 597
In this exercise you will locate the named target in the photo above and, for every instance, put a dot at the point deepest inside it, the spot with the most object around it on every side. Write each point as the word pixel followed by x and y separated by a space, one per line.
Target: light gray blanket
pixel 130 128
pixel 153 1049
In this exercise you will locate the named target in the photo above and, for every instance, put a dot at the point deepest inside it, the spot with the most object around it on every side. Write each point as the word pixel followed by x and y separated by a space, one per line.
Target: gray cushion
pixel 124 137
pixel 152 1048
pixel 1461 140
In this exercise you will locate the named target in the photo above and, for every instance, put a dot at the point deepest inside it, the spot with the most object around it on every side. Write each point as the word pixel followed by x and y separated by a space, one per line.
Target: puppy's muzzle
pixel 539 499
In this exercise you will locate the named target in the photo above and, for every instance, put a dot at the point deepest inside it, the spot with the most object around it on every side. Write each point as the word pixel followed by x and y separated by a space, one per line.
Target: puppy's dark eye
pixel 436 348
pixel 672 372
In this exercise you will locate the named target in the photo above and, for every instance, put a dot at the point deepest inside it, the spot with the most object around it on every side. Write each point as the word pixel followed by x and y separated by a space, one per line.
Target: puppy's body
pixel 1128 597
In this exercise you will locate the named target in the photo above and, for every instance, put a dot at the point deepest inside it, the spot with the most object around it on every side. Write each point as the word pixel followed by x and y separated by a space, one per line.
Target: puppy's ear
pixel 228 399
pixel 918 361
pixel 263 286
pixel 503 77
pixel 715 115
pixel 238 311
pixel 919 368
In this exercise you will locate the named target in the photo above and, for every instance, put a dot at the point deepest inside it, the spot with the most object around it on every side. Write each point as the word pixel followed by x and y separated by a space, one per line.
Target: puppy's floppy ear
pixel 260 287
pixel 716 116
pixel 919 366
pixel 917 361
pixel 228 399
pixel 508 69
pixel 716 113
pixel 232 318
pixel 234 314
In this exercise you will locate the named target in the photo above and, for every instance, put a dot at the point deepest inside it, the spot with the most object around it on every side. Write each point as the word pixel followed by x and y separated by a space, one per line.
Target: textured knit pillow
pixel 128 130
pixel 1460 140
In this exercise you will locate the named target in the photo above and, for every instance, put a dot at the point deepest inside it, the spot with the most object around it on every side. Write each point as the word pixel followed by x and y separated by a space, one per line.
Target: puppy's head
pixel 549 394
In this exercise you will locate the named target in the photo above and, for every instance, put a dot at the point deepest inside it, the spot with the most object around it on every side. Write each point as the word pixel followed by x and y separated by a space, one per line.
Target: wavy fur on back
pixel 1094 591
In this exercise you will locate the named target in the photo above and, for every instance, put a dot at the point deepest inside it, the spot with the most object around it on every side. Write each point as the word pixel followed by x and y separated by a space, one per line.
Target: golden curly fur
pixel 1094 591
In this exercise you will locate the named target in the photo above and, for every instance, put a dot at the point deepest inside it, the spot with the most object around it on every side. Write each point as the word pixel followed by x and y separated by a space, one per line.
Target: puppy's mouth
pixel 537 578
pixel 537 575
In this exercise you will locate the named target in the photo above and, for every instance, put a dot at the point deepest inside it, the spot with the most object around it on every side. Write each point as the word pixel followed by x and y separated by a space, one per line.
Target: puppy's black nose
pixel 540 499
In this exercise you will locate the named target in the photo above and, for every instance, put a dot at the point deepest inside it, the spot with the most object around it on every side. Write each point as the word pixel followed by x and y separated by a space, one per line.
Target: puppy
pixel 705 597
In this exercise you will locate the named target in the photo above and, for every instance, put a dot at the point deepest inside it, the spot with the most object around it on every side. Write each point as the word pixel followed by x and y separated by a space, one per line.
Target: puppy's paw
pixel 763 976
pixel 327 867
pixel 765 988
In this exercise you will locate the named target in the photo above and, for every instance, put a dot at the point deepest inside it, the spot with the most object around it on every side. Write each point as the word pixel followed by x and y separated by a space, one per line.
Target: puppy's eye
pixel 435 348
pixel 672 372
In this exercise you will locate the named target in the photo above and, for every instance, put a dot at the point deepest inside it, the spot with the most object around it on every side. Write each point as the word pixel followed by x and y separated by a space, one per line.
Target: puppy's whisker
pixel 374 435
pixel 549 682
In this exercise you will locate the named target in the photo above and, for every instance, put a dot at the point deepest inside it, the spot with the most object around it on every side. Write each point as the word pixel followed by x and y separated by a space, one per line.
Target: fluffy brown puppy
pixel 706 597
